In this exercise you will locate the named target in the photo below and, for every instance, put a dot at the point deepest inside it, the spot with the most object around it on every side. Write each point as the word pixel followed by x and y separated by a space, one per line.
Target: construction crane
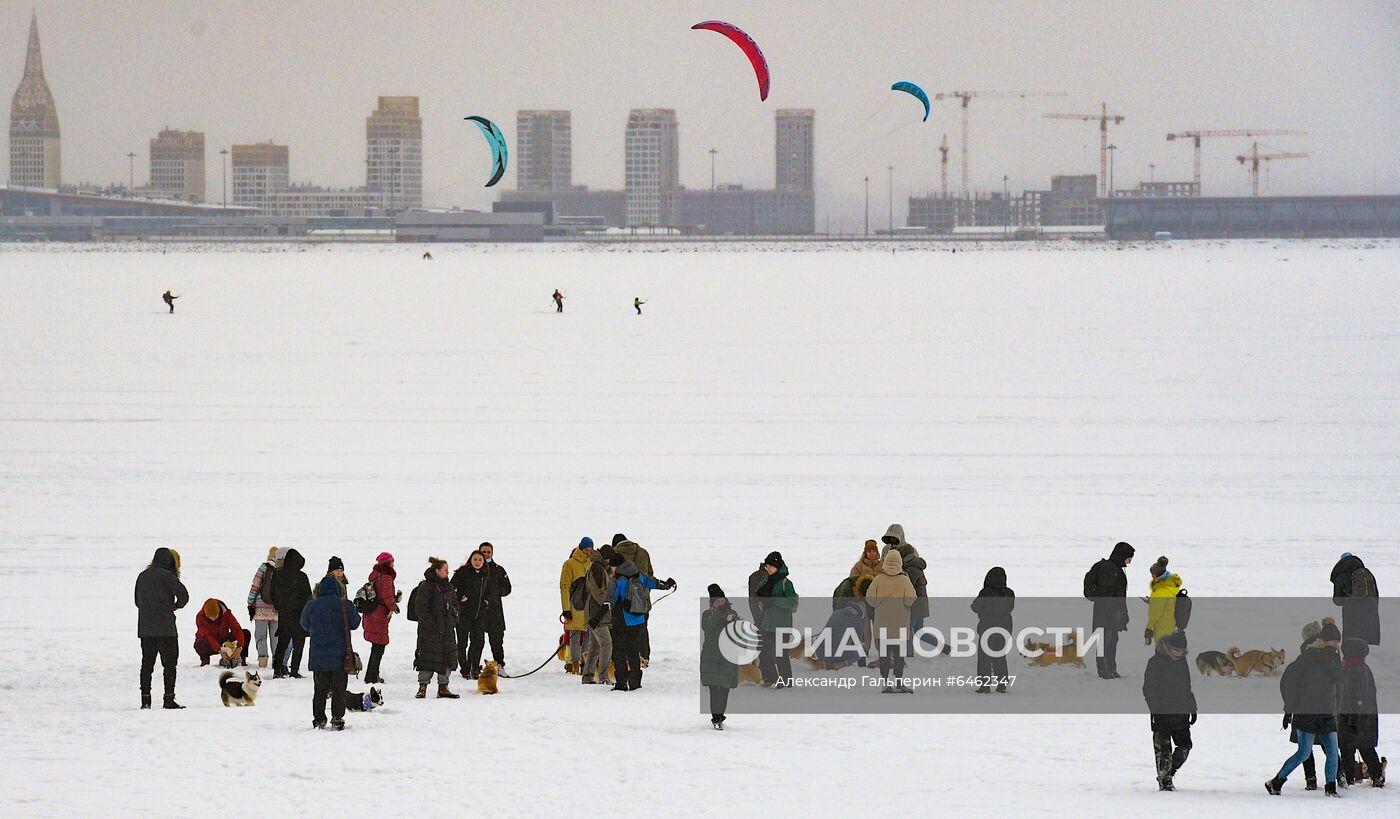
pixel 966 97
pixel 1103 118
pixel 943 167
pixel 1254 158
pixel 1195 137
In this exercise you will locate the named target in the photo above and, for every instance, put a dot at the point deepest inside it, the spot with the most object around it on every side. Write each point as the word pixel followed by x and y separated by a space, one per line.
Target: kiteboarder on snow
pixel 558 301
pixel 170 300
pixel 637 303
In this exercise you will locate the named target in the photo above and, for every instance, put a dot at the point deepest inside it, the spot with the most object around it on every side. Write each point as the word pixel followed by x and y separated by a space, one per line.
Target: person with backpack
pixel 641 558
pixel 993 607
pixel 1106 584
pixel 1311 688
pixel 573 599
pixel 891 596
pixel 1358 722
pixel 778 600
pixel 382 608
pixel 159 594
pixel 1166 685
pixel 913 567
pixel 215 625
pixel 631 605
pixel 260 610
pixel 433 605
pixel 717 673
pixel 1161 605
pixel 1354 590
pixel 493 613
pixel 329 619
pixel 291 590
pixel 598 614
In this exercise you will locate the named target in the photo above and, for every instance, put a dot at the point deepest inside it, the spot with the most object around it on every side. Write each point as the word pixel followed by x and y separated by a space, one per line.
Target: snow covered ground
pixel 1235 405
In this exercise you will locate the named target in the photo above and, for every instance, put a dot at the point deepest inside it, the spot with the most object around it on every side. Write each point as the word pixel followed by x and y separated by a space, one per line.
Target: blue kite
pixel 911 88
pixel 497 141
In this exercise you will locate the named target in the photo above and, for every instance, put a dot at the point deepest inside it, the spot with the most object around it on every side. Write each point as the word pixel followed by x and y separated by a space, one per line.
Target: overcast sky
pixel 307 74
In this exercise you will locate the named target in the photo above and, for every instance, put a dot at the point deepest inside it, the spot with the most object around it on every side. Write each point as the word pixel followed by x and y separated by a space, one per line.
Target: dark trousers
pixel 297 644
pixel 1169 761
pixel 498 648
pixel 329 684
pixel 893 655
pixel 773 662
pixel 627 655
pixel 376 653
pixel 1368 755
pixel 168 648
pixel 644 647
pixel 719 698
pixel 989 666
pixel 1107 661
pixel 1310 768
pixel 558 306
pixel 204 652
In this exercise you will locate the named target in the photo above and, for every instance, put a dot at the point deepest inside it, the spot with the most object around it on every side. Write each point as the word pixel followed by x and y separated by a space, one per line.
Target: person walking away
pixel 1106 584
pixel 891 596
pixel 1166 685
pixel 558 301
pixel 260 611
pixel 159 594
pixel 1358 722
pixel 637 303
pixel 291 590
pixel 169 300
pixel 1354 590
pixel 993 607
pixel 434 606
pixel 598 613
pixel 574 620
pixel 493 614
pixel 215 625
pixel 869 562
pixel 1161 605
pixel 376 621
pixel 914 567
pixel 1310 632
pixel 641 558
pixel 631 604
pixel 1311 686
pixel 779 601
pixel 717 674
pixel 329 619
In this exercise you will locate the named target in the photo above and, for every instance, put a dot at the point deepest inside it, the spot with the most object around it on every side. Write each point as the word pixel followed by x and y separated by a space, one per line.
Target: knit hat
pixel 616 560
pixel 1310 632
pixel 335 563
pixel 384 557
pixel 586 543
pixel 773 559
pixel 211 609
pixel 272 553
pixel 715 591
pixel 1329 633
pixel 1159 568
pixel 1177 640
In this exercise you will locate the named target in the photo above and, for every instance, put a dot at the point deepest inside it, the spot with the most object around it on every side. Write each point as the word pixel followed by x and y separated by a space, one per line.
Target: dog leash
pixel 552 655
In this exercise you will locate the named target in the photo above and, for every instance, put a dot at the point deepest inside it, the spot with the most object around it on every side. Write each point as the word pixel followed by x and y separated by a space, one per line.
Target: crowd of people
pixel 1329 694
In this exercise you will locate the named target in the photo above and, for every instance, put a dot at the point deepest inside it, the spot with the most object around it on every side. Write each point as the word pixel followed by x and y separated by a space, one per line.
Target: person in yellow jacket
pixel 575 621
pixel 1161 606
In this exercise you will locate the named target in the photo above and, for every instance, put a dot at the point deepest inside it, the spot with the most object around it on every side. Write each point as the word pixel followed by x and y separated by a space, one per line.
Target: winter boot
pixel 902 689
pixel 337 725
pixel 718 723
pixel 889 689
pixel 1274 786
pixel 278 672
pixel 203 661
pixel 982 689
pixel 621 684
pixel 318 724
pixel 1165 784
pixel 445 694
pixel 295 674
pixel 171 705
pixel 262 662
pixel 1311 784
pixel 587 679
pixel 1001 689
pixel 422 691
pixel 1378 777
pixel 1331 789
pixel 145 702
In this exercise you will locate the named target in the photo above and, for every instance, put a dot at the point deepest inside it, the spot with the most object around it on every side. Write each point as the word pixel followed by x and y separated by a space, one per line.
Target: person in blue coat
pixel 629 619
pixel 329 619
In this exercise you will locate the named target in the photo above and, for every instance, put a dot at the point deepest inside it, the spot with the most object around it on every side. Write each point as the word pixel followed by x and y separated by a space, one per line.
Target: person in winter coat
pixel 159 594
pixel 993 607
pixel 329 619
pixel 558 301
pixel 386 605
pixel 640 558
pixel 598 616
pixel 1106 584
pixel 479 612
pixel 756 582
pixel 493 614
pixel 869 562
pixel 628 624
pixel 891 595
pixel 215 625
pixel 291 590
pixel 1161 606
pixel 1310 632
pixel 1354 589
pixel 434 605
pixel 1166 685
pixel 717 673
pixel 1311 688
pixel 846 590
pixel 169 300
pixel 914 567
pixel 845 638
pixel 335 567
pixel 261 611
pixel 778 599
pixel 1358 722
pixel 574 620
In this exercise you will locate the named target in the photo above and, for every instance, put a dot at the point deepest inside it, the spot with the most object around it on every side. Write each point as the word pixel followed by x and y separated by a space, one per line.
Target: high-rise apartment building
pixel 177 165
pixel 794 148
pixel 260 172
pixel 544 150
pixel 652 172
pixel 35 161
pixel 394 153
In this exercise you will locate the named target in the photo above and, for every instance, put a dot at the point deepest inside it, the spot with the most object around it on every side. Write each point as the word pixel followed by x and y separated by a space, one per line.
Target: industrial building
pixel 609 207
pixel 1252 217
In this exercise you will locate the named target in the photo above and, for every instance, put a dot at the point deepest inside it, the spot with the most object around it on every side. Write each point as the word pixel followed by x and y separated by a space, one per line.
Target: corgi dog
pixel 229 655
pixel 1214 662
pixel 1049 656
pixel 364 702
pixel 1265 662
pixel 750 674
pixel 486 682
pixel 237 693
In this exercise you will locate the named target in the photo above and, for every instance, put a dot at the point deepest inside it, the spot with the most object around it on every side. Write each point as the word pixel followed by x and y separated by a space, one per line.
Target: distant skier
pixel 558 301
pixel 427 256
pixel 169 300
pixel 637 303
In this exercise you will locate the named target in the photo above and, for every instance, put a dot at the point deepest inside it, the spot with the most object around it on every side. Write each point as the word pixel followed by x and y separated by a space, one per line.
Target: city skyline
pixel 296 88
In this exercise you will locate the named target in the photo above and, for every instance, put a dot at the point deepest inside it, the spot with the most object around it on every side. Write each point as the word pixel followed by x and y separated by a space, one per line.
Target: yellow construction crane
pixel 943 166
pixel 1195 137
pixel 966 96
pixel 1254 158
pixel 1103 118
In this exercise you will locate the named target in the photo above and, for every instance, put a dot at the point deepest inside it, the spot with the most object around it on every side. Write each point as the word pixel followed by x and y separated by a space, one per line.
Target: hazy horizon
pixel 309 74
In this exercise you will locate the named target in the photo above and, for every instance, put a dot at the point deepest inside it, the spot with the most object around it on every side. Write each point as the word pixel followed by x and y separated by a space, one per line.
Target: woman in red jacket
pixel 376 621
pixel 216 625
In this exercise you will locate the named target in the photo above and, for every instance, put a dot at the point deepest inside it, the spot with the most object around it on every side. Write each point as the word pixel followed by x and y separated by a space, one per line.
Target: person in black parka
pixel 1354 590
pixel 1166 685
pixel 159 594
pixel 993 606
pixel 434 606
pixel 1358 720
pixel 1311 688
pixel 291 590
pixel 479 611
pixel 1106 584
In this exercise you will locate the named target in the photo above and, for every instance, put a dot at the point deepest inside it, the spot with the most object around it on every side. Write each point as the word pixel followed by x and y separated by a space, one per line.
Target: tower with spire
pixel 35 160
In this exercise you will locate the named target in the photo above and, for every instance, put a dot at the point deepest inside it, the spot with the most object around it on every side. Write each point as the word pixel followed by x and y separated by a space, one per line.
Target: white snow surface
pixel 1230 404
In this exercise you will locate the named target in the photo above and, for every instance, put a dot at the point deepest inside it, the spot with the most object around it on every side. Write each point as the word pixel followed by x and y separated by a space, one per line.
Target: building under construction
pixel 1070 201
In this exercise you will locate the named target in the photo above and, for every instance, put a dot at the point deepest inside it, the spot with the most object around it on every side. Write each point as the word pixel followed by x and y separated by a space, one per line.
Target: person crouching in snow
pixel 631 605
pixel 1166 685
pixel 717 673
pixel 215 625
pixel 1310 687
pixel 1359 720
pixel 993 606
pixel 329 619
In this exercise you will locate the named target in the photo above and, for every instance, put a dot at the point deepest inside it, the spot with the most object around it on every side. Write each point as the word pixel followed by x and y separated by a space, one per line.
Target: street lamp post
pixel 1006 201
pixel 713 152
pixel 1112 155
pixel 890 168
pixel 867 207
pixel 224 156
pixel 1152 172
pixel 131 171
